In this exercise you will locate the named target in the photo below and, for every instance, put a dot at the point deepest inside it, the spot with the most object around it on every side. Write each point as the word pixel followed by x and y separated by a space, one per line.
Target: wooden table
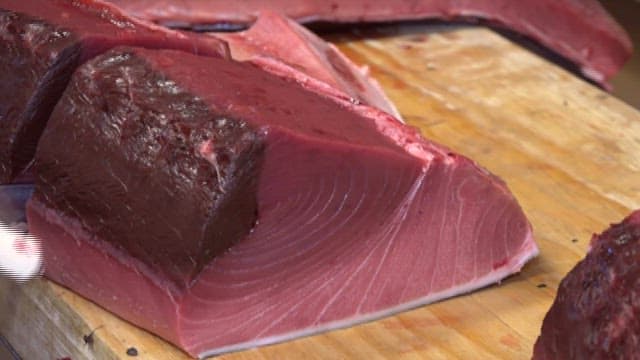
pixel 569 152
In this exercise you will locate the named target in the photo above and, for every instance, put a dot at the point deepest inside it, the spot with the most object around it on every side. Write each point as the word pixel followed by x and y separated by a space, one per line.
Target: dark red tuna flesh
pixel 304 51
pixel 358 216
pixel 41 44
pixel 596 312
pixel 194 172
pixel 580 30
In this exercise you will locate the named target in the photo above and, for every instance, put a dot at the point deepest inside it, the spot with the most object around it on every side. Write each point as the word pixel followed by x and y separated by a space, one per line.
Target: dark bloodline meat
pixel 357 216
pixel 596 312
pixel 41 44
pixel 580 30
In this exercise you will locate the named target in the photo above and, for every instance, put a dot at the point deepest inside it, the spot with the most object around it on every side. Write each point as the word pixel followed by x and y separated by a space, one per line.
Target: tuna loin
pixel 222 207
pixel 595 314
pixel 301 49
pixel 41 44
pixel 580 30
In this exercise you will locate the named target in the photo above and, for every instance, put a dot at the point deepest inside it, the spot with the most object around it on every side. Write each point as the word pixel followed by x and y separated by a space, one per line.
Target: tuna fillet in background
pixel 223 207
pixel 41 44
pixel 580 30
pixel 276 37
pixel 596 312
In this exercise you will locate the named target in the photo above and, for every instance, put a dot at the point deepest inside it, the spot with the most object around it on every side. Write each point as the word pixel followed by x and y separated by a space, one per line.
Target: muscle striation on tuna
pixel 224 207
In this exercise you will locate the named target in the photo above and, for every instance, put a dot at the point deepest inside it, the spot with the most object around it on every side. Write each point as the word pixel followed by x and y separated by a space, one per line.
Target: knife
pixel 20 252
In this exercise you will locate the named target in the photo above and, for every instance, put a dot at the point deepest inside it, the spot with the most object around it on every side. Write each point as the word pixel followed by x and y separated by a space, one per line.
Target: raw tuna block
pixel 223 207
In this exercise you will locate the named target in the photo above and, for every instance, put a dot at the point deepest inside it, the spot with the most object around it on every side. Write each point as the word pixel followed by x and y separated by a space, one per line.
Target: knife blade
pixel 21 255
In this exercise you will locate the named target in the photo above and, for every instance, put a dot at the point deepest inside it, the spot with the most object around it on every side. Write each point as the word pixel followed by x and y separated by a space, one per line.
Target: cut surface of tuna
pixel 595 313
pixel 341 213
pixel 580 30
pixel 41 44
pixel 277 37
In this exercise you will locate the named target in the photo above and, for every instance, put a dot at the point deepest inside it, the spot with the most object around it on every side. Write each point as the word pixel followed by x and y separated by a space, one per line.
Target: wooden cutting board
pixel 569 152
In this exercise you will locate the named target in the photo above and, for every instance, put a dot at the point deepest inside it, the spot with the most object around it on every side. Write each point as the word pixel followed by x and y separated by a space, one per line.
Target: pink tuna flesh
pixel 275 36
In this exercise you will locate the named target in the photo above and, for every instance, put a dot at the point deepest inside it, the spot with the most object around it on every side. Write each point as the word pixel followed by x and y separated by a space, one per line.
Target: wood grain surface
pixel 569 152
